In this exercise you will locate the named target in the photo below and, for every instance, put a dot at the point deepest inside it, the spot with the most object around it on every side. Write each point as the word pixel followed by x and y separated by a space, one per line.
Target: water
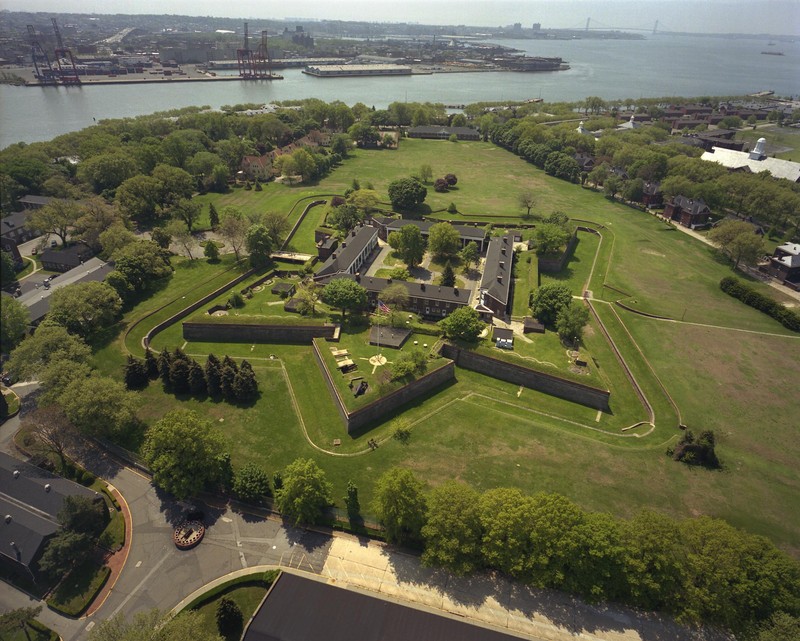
pixel 658 66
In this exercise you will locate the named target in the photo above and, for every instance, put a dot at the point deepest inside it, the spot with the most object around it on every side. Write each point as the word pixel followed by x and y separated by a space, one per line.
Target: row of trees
pixel 444 243
pixel 182 374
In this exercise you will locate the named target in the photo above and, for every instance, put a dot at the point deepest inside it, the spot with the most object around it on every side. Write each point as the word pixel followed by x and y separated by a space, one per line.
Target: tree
pixel 277 225
pixel 138 198
pixel 20 618
pixel 179 375
pixel 107 171
pixel 305 492
pixel 135 373
pixel 395 296
pixel 4 409
pixel 351 502
pixel 175 185
pixel 425 173
pixel 409 362
pixel 187 212
pixel 197 379
pixel 448 276
pixel 612 185
pixel 259 244
pixel 308 295
pixel 57 217
pixel 233 228
pixel 781 627
pixel 345 217
pixel 83 515
pixel 738 241
pixel 507 523
pixel 440 185
pixel 115 239
pixel 182 451
pixel 211 251
pixel 407 194
pixel 443 240
pixel 451 180
pixel 153 625
pixel 344 294
pixel 96 216
pixel 52 429
pixel 213 372
pixel 65 551
pixel 548 300
pixel 182 235
pixel 400 505
pixel 550 238
pixel 99 406
pixel 85 308
pixel 469 255
pixel 527 201
pixel 142 263
pixel 464 324
pixel 364 134
pixel 229 616
pixel 245 385
pixel 8 270
pixel 408 244
pixel 50 343
pixel 251 483
pixel 570 322
pixel 594 104
pixel 14 321
pixel 213 216
pixel 453 529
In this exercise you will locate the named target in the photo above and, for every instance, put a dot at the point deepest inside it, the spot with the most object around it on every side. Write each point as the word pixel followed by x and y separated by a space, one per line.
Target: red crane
pixel 66 63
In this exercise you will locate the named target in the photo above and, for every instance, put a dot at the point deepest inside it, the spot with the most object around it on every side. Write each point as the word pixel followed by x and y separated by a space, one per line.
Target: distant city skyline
pixel 780 17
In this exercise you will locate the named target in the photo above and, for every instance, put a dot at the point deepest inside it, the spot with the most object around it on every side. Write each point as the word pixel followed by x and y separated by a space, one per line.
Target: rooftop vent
pixel 47 487
pixel 16 474
pixel 503 251
pixel 8 520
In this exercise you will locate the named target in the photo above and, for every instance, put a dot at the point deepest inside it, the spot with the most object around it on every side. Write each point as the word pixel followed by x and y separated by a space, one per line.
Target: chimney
pixel 455 290
pixel 422 286
pixel 502 264
pixel 16 474
pixel 503 251
pixel 344 245
pixel 499 278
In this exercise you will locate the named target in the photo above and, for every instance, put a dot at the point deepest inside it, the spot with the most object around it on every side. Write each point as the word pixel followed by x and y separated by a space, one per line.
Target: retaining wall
pixel 533 379
pixel 379 408
pixel 246 333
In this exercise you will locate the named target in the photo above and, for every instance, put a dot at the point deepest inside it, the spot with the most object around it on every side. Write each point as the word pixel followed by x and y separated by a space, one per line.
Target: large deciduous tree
pixel 344 294
pixel 570 322
pixel 183 451
pixel 453 530
pixel 141 263
pixel 406 194
pixel 550 238
pixel 548 300
pixel 464 324
pixel 99 406
pixel 259 245
pixel 737 240
pixel 153 625
pixel 84 308
pixel 408 244
pixel 400 505
pixel 49 344
pixel 345 217
pixel 14 321
pixel 57 217
pixel 305 492
pixel 233 228
pixel 443 240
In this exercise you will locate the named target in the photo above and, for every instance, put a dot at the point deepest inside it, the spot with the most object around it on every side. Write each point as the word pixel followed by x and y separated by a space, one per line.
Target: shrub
pixel 452 209
pixel 736 288
pixel 440 185
pixel 236 300
pixel 698 451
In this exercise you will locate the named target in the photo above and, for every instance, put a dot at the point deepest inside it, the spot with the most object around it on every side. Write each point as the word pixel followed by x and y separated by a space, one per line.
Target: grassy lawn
pixel 36 632
pixel 247 594
pixel 782 142
pixel 76 592
pixel 303 239
pixel 490 433
pixel 527 271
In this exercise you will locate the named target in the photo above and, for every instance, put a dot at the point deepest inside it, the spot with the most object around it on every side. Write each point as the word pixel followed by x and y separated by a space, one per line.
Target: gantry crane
pixel 263 63
pixel 41 63
pixel 67 70
pixel 245 58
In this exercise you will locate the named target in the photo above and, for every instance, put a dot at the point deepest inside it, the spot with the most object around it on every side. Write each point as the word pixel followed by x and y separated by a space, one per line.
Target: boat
pixel 772 53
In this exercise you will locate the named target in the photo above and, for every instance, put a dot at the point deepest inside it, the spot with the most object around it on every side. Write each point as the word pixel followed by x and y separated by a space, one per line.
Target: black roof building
pixel 466 233
pixel 299 609
pixel 13 227
pixel 34 202
pixel 62 259
pixel 495 289
pixel 351 253
pixel 30 500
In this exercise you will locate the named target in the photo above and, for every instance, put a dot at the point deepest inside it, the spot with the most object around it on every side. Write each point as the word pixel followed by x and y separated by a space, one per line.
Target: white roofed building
pixel 754 161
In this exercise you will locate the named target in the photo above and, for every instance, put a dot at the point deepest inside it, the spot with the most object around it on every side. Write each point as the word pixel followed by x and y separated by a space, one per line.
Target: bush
pixel 452 209
pixel 236 300
pixel 736 288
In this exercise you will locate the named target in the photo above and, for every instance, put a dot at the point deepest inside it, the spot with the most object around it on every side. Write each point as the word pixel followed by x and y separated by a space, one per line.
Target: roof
pixel 732 159
pixel 464 231
pixel 439 129
pixel 791 258
pixel 71 256
pixel 35 200
pixel 38 300
pixel 348 251
pixel 503 334
pixel 694 206
pixel 496 281
pixel 298 608
pixel 13 222
pixel 32 497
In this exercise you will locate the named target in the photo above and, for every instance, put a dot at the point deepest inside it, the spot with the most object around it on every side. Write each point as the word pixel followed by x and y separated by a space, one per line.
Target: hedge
pixel 265 578
pixel 785 316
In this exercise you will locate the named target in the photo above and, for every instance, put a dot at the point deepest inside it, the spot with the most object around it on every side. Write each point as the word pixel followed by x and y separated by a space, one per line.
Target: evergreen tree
pixel 213 376
pixel 211 251
pixel 227 382
pixel 448 275
pixel 164 362
pixel 179 375
pixel 351 501
pixel 197 379
pixel 227 361
pixel 245 386
pixel 135 374
pixel 213 216
pixel 3 406
pixel 151 364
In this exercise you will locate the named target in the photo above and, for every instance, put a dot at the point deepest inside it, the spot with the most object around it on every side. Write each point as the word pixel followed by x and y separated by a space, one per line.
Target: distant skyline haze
pixel 778 17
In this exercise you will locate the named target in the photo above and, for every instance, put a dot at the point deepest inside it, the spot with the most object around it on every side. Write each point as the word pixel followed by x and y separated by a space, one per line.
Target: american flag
pixel 383 307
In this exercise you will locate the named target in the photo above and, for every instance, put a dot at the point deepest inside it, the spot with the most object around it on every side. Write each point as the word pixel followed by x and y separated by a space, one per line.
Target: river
pixel 660 65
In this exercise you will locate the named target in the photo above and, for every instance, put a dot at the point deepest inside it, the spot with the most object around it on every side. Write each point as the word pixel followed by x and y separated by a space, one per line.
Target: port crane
pixel 67 70
pixel 41 62
pixel 263 66
pixel 245 58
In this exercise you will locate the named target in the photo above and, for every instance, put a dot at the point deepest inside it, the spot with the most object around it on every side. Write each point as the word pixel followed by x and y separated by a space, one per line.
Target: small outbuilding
pixel 532 326
pixel 393 337
pixel 283 288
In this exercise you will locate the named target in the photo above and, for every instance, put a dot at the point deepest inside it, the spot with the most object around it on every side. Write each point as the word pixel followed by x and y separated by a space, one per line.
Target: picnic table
pixel 345 363
pixel 340 352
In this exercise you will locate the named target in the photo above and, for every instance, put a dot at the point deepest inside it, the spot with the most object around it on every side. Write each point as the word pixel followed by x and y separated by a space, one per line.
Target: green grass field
pixel 726 367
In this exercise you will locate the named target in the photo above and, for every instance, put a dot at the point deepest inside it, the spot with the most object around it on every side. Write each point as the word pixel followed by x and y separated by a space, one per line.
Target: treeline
pixel 749 296
pixel 182 374
pixel 699 569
